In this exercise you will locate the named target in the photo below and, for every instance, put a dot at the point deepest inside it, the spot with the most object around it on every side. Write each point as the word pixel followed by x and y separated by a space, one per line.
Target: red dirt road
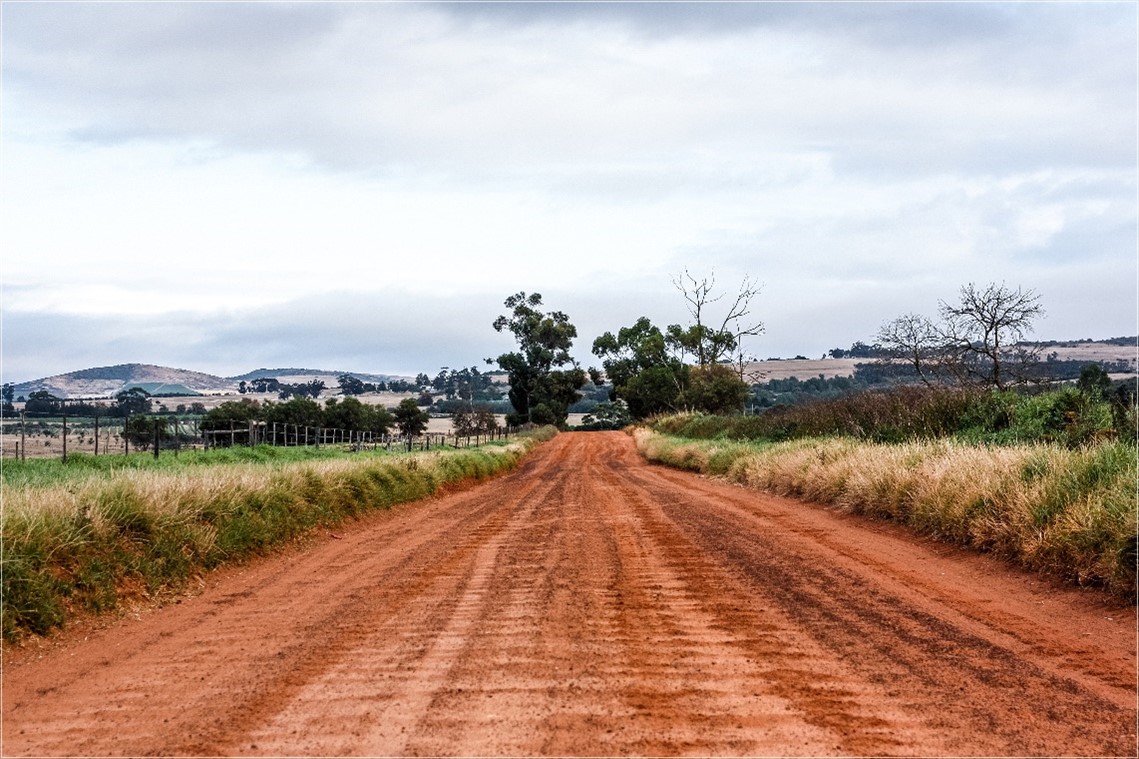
pixel 586 604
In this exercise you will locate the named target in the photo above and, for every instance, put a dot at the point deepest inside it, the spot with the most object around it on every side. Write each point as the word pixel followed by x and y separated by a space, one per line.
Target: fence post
pixel 23 442
pixel 65 436
pixel 157 429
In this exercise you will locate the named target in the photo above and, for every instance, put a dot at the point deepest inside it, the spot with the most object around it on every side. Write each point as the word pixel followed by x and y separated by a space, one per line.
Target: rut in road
pixel 589 603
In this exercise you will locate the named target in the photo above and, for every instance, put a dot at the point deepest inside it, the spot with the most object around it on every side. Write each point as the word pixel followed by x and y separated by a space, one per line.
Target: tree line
pixel 699 366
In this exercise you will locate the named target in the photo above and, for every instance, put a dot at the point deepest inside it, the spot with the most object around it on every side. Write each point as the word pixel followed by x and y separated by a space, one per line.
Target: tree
pixel 231 415
pixel 645 375
pixel 712 340
pixel 916 340
pixel 265 385
pixel 300 411
pixel 43 402
pixel 131 401
pixel 8 393
pixel 410 419
pixel 1095 383
pixel 345 414
pixel 607 416
pixel 466 385
pixel 477 421
pixel 350 385
pixel 539 392
pixel 140 430
pixel 716 389
pixel 983 333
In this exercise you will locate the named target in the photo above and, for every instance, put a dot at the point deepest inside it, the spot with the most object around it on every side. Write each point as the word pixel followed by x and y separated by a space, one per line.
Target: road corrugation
pixel 589 603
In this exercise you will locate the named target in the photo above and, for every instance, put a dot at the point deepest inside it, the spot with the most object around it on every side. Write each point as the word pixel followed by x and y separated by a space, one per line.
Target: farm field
pixel 590 603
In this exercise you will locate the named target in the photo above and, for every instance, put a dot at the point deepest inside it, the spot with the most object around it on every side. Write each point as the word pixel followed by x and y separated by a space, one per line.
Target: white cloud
pixel 197 158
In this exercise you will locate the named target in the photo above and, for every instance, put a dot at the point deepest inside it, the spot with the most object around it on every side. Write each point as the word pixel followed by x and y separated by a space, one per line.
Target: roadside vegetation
pixel 1047 480
pixel 82 537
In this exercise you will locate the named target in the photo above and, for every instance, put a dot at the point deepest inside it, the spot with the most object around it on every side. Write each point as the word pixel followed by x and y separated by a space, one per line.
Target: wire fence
pixel 58 436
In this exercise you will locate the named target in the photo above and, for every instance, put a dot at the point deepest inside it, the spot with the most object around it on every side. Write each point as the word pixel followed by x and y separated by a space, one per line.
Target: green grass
pixel 1070 512
pixel 43 472
pixel 81 536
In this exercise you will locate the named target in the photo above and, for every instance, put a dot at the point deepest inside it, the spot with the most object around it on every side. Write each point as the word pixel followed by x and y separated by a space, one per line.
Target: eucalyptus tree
pixel 541 390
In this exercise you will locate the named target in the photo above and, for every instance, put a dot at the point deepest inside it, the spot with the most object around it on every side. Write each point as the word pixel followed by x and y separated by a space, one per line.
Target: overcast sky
pixel 358 186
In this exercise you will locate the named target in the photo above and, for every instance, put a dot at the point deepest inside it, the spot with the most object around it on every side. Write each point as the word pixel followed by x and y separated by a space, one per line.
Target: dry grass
pixel 1068 512
pixel 74 544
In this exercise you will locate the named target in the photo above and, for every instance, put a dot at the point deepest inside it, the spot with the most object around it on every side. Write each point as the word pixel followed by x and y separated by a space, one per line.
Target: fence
pixel 58 436
pixel 291 435
pixel 46 436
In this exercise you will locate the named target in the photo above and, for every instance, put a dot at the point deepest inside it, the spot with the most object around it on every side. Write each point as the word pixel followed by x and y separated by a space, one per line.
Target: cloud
pixel 255 177
pixel 387 88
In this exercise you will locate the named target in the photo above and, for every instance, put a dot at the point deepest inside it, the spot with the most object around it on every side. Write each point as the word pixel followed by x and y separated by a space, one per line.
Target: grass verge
pixel 1067 512
pixel 73 543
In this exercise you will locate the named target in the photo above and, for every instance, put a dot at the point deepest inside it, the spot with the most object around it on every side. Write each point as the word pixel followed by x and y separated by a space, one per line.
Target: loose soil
pixel 591 604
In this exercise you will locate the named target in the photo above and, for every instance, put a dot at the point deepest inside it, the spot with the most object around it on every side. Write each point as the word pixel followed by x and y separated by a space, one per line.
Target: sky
pixel 223 186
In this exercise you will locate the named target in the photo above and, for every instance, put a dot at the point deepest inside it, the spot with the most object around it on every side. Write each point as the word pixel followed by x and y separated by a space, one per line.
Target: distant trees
pixel 468 385
pixel 642 365
pixel 8 393
pixel 131 401
pixel 350 414
pixel 42 402
pixel 230 414
pixel 978 339
pixel 858 350
pixel 410 419
pixel 648 367
pixel 608 416
pixel 265 385
pixel 141 430
pixel 311 389
pixel 350 385
pixel 479 420
pixel 541 392
pixel 303 411
pixel 338 413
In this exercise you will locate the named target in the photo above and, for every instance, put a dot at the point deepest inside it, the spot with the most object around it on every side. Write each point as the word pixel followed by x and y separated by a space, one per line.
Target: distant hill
pixel 105 381
pixel 293 374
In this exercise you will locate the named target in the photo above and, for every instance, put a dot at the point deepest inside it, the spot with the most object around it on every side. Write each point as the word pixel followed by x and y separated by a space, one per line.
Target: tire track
pixel 590 604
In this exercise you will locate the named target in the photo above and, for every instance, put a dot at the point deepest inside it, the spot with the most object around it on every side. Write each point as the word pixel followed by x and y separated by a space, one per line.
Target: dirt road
pixel 589 603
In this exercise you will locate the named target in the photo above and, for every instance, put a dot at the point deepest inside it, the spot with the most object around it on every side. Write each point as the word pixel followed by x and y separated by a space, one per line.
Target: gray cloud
pixel 457 87
pixel 856 157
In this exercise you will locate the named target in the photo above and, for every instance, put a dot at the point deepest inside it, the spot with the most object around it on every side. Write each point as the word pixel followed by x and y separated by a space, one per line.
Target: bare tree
pixel 983 334
pixel 915 339
pixel 711 340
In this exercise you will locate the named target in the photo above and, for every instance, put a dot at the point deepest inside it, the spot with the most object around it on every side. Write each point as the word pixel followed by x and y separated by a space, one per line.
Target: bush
pixel 1066 416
